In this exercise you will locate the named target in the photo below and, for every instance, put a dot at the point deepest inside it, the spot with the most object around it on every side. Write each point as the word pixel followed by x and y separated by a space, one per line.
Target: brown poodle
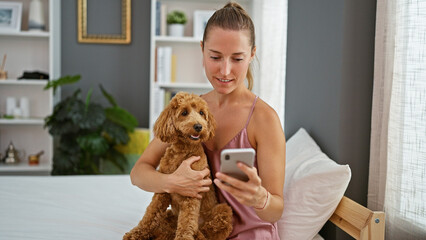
pixel 185 123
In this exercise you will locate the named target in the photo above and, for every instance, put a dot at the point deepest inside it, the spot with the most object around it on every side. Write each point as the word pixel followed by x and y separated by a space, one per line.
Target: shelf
pixel 29 121
pixel 32 50
pixel 26 34
pixel 177 39
pixel 202 86
pixel 25 167
pixel 23 82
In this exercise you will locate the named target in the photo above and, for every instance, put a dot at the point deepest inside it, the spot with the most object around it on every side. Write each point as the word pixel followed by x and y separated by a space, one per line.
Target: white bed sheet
pixel 70 207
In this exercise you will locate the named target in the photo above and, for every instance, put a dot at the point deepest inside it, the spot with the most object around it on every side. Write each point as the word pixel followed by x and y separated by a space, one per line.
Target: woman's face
pixel 226 58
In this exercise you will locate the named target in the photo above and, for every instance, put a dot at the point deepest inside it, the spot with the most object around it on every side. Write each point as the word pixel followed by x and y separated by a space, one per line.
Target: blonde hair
pixel 233 17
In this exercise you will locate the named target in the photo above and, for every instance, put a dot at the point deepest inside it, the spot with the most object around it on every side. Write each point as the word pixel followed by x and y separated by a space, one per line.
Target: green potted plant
pixel 175 23
pixel 86 134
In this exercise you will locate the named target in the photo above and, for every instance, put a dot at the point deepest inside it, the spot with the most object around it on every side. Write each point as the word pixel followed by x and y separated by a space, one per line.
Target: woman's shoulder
pixel 265 115
pixel 265 125
pixel 264 112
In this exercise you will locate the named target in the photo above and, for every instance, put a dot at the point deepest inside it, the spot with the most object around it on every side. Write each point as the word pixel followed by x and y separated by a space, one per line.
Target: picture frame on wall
pixel 200 21
pixel 10 16
pixel 123 37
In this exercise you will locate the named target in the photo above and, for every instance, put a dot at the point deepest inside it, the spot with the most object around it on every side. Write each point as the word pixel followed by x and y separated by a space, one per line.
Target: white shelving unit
pixel 30 51
pixel 190 75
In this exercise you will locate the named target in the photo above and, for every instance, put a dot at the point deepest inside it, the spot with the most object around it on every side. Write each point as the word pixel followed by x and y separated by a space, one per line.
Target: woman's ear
pixel 253 53
pixel 202 51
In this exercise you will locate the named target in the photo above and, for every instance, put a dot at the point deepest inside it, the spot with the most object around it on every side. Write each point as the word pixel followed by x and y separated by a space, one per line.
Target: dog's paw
pixel 134 235
pixel 184 237
pixel 128 236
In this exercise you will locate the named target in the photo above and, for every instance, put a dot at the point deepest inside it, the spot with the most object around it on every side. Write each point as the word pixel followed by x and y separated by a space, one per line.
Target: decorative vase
pixel 176 30
pixel 36 16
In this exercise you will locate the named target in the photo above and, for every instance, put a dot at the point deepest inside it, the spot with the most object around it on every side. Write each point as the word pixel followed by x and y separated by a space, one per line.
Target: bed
pixel 107 206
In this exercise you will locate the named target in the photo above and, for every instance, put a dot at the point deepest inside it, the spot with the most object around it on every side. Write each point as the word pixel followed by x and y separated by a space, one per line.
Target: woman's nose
pixel 225 68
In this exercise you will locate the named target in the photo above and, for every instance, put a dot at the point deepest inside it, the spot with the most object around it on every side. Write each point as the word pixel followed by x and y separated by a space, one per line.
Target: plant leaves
pixel 116 158
pixel 86 133
pixel 176 17
pixel 89 95
pixel 58 128
pixel 62 81
pixel 70 109
pixel 93 143
pixel 65 163
pixel 121 117
pixel 108 96
pixel 93 118
pixel 115 132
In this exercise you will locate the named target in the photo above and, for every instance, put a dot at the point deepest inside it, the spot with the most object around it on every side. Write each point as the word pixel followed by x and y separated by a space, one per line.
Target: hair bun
pixel 234 5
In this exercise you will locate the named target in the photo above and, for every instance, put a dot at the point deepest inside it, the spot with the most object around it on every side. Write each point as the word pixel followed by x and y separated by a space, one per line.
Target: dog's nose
pixel 198 127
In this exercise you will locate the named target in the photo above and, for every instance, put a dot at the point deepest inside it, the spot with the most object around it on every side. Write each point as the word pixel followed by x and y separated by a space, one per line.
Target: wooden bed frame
pixel 359 221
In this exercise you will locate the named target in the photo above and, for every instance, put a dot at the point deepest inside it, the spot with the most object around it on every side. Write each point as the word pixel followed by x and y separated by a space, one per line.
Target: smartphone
pixel 230 157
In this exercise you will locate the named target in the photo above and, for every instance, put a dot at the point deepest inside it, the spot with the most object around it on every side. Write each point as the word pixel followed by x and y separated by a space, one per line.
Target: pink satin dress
pixel 247 225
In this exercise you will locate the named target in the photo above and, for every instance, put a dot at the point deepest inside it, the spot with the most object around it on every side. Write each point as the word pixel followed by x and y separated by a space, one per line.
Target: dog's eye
pixel 201 113
pixel 184 113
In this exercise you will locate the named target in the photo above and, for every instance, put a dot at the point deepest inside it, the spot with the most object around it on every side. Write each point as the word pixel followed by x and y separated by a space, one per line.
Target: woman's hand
pixel 250 193
pixel 188 182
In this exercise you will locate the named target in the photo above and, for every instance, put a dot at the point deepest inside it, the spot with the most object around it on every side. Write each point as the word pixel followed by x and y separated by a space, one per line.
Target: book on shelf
pixel 164 65
pixel 163 19
pixel 173 69
pixel 156 65
pixel 158 103
pixel 168 95
pixel 161 100
pixel 158 18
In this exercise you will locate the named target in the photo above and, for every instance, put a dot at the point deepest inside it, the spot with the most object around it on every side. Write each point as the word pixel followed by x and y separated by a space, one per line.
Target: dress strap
pixel 251 110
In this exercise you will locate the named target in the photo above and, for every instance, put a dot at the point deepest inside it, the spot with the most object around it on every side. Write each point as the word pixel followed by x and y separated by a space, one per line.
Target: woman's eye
pixel 201 113
pixel 214 57
pixel 238 59
pixel 184 113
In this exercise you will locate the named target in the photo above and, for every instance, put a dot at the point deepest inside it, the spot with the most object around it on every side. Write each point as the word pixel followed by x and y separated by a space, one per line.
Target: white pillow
pixel 314 186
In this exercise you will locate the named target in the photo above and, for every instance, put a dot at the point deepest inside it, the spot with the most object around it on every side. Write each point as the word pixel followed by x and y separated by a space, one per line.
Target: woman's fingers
pixel 203 173
pixel 251 172
pixel 192 159
pixel 206 182
pixel 247 193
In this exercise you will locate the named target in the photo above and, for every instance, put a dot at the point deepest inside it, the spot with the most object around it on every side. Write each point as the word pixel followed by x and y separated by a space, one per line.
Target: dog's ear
pixel 212 124
pixel 164 127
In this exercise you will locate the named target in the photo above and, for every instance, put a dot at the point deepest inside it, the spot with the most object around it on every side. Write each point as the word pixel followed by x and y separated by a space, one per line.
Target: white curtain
pixel 397 180
pixel 271 31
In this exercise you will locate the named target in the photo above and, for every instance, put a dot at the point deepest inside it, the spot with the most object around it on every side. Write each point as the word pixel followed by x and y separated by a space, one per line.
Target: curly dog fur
pixel 185 123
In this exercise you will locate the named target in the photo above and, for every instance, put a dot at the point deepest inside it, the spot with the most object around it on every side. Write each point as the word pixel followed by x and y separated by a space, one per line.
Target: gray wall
pixel 329 83
pixel 123 70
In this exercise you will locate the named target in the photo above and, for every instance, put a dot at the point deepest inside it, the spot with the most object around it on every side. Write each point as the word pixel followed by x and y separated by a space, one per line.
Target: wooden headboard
pixel 359 221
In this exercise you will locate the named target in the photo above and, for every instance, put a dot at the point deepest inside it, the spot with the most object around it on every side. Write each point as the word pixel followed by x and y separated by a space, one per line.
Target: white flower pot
pixel 176 30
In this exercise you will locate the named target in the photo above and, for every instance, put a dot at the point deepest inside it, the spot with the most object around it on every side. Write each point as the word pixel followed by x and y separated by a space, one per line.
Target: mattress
pixel 70 207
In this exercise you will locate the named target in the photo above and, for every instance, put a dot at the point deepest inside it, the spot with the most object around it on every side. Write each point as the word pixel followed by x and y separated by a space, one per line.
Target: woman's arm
pixel 184 180
pixel 144 173
pixel 270 141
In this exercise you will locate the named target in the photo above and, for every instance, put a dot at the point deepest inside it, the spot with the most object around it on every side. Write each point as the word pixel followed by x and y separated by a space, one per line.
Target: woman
pixel 243 120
